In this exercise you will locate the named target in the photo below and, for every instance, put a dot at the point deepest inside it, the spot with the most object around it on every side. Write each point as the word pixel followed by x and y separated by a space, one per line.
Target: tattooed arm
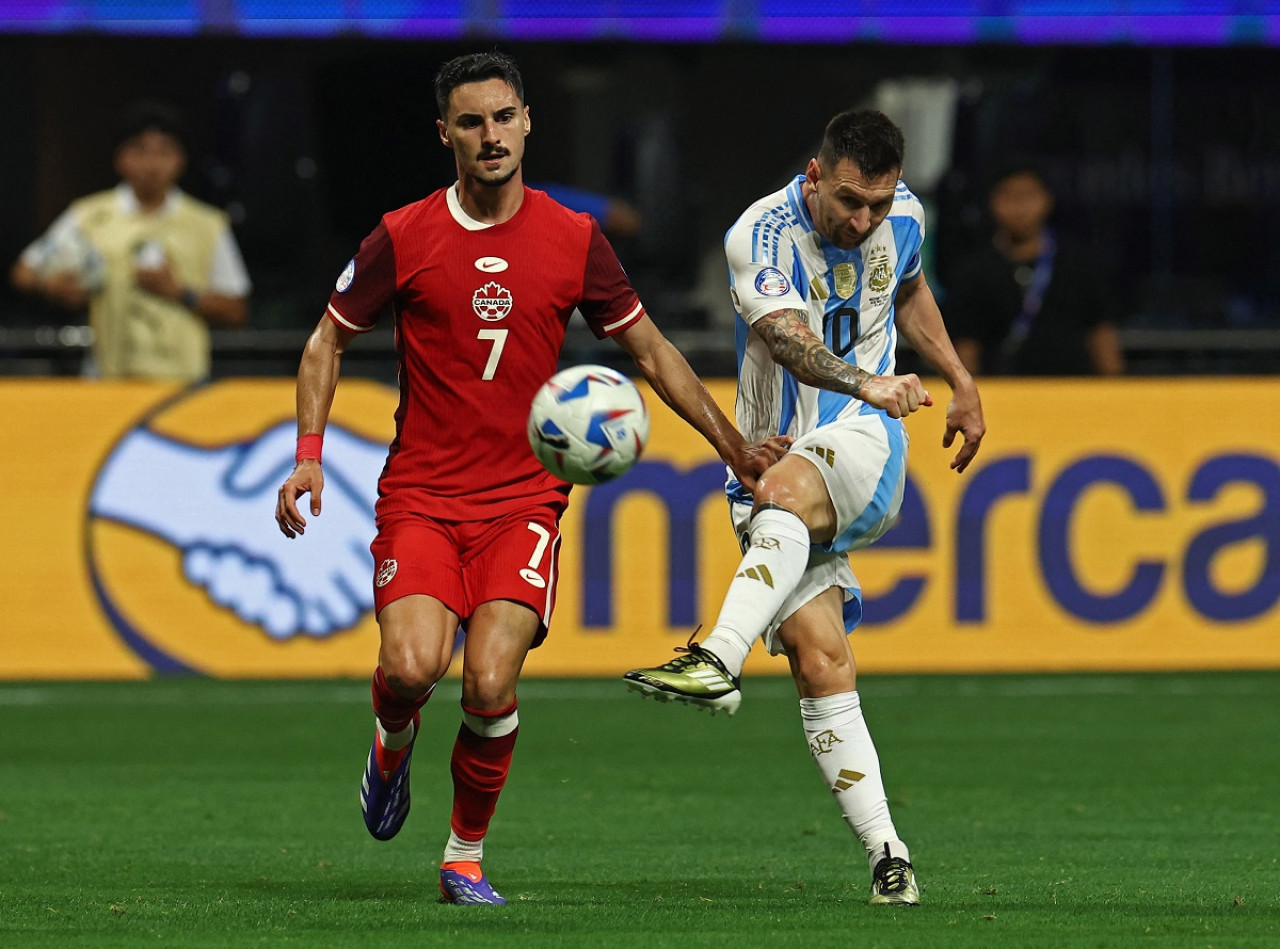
pixel 797 349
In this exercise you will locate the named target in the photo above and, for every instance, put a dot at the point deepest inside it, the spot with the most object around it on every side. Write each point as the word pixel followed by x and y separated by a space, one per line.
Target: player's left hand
pixel 964 416
pixel 755 458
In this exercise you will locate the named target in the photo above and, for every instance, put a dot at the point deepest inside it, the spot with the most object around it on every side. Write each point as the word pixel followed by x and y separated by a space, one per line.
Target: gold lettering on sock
pixel 824 743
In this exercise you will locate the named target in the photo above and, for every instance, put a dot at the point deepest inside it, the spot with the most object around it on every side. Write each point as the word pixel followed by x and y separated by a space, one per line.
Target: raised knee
pixel 411 672
pixel 780 490
pixel 772 490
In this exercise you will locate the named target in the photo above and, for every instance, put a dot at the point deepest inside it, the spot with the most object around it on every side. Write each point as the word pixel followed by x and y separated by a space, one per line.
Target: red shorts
pixel 468 563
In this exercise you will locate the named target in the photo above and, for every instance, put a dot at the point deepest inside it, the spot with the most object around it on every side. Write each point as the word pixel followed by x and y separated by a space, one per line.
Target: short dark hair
pixel 149 116
pixel 867 138
pixel 1017 167
pixel 476 67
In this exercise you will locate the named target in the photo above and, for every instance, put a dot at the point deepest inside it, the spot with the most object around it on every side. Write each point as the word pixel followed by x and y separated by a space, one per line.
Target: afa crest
pixel 880 270
pixel 824 743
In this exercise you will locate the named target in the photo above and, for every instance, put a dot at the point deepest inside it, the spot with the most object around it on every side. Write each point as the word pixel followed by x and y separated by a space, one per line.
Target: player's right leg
pixel 417 576
pixel 417 645
pixel 840 487
pixel 791 505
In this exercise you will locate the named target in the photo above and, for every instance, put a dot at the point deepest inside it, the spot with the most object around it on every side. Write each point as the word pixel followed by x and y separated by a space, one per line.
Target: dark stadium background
pixel 1164 158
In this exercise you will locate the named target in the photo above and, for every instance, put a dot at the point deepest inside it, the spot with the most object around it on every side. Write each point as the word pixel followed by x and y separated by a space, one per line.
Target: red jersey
pixel 480 317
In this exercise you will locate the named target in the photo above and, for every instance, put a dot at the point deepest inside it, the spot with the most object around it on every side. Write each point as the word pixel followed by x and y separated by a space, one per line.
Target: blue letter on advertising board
pixel 682 493
pixel 1265 526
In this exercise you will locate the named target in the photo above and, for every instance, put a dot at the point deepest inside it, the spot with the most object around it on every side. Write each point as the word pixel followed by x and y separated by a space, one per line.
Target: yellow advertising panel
pixel 1107 525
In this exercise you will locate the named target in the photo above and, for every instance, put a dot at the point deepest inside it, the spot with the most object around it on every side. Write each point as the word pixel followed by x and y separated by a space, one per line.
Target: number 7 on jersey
pixel 499 340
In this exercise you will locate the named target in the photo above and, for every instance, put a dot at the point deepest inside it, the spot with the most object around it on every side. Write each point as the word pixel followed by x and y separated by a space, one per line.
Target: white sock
pixel 394 741
pixel 766 576
pixel 842 749
pixel 890 848
pixel 465 851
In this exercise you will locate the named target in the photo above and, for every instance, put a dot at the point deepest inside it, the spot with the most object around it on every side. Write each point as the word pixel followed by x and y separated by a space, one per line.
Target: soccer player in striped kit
pixel 824 275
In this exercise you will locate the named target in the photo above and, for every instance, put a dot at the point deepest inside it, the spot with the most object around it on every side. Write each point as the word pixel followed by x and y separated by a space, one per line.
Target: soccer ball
pixel 588 424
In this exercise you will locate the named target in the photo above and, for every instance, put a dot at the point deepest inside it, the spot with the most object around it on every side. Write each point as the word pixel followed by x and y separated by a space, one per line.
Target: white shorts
pixel 863 461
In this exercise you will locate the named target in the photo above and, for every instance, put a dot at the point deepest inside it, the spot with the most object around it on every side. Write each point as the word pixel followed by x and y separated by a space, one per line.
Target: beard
pixel 845 239
pixel 499 181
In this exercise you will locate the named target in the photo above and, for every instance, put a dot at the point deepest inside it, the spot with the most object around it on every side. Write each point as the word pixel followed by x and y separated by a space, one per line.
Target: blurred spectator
pixel 1029 303
pixel 155 266
pixel 618 218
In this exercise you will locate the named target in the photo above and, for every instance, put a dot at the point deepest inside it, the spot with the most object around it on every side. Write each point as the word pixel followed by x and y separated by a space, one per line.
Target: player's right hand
pixel 897 395
pixel 307 478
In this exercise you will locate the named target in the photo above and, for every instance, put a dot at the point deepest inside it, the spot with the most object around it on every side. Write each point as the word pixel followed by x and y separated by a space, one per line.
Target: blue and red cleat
pixel 465 883
pixel 384 792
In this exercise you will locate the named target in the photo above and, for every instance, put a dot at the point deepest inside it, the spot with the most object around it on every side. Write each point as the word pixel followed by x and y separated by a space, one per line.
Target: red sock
pixel 393 710
pixel 479 766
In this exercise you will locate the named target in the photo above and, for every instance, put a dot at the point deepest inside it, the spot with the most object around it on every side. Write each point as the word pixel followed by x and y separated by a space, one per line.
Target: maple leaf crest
pixel 492 301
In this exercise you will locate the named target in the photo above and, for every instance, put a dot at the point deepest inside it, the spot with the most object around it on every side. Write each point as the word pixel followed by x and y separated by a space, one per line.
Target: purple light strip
pixel 48 16
pixel 672 29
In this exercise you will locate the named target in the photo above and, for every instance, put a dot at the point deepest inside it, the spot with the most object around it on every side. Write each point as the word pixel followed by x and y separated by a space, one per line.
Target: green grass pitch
pixel 1057 811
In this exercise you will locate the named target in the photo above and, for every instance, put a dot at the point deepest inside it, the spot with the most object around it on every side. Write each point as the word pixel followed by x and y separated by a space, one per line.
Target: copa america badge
pixel 771 283
pixel 344 279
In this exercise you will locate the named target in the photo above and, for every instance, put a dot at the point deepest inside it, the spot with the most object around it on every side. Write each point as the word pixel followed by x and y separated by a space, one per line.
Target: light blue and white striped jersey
pixel 778 261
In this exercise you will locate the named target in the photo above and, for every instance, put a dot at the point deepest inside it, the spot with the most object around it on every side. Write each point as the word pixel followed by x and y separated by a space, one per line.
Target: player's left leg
pixel 512 577
pixel 822 664
pixel 499 636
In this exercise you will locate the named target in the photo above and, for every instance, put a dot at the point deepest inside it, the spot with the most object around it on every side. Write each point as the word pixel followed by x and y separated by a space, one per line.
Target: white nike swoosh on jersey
pixel 491 264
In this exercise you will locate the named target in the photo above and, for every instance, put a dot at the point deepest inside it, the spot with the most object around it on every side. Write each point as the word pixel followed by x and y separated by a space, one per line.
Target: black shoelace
pixel 695 655
pixel 892 874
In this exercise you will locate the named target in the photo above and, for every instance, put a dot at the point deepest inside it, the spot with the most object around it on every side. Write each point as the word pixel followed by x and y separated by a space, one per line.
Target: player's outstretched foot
pixel 465 883
pixel 893 882
pixel 384 792
pixel 697 678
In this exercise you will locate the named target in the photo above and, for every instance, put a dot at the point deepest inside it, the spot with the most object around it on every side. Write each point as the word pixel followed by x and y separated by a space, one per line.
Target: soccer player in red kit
pixel 482 277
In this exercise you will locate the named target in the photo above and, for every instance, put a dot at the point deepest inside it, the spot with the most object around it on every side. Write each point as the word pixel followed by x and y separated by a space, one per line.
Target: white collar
pixel 461 216
pixel 129 201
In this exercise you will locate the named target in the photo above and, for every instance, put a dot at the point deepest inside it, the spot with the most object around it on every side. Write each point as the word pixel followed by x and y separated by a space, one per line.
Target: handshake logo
pixel 215 506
